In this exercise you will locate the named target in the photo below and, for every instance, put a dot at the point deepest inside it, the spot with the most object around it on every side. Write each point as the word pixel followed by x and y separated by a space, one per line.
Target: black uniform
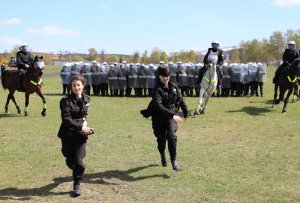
pixel 166 103
pixel 23 58
pixel 219 53
pixel 289 56
pixel 73 113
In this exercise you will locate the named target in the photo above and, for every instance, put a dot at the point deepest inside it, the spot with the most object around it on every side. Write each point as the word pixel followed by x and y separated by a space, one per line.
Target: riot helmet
pixel 215 44
pixel 24 47
pixel 292 45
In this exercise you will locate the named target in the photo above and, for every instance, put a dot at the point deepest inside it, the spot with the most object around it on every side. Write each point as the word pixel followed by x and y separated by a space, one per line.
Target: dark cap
pixel 164 71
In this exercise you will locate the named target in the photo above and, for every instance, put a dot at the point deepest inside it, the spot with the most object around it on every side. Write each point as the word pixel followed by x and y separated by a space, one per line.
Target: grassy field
pixel 242 150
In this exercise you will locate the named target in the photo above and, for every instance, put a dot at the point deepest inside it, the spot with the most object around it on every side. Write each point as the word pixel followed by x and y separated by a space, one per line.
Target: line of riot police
pixel 139 79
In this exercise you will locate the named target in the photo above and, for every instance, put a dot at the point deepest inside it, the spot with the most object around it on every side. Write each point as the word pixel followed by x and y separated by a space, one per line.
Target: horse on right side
pixel 286 82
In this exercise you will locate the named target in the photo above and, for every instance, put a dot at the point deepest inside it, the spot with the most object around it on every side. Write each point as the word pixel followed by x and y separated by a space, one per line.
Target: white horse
pixel 208 84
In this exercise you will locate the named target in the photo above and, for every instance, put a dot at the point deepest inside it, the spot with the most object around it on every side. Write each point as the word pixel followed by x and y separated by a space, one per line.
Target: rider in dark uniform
pixel 215 51
pixel 24 60
pixel 289 56
pixel 166 101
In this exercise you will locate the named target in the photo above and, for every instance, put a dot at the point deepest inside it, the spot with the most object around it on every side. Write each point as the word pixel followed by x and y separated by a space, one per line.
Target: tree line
pixel 265 50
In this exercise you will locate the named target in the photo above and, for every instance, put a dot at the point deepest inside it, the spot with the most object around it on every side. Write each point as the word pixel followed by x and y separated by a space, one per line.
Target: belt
pixel 171 106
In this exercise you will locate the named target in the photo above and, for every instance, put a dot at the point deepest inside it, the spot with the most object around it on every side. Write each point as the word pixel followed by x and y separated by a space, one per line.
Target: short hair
pixel 78 77
pixel 162 70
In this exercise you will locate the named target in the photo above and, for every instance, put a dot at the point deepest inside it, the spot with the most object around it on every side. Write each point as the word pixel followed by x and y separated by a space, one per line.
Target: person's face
pixel 77 88
pixel 164 79
pixel 292 47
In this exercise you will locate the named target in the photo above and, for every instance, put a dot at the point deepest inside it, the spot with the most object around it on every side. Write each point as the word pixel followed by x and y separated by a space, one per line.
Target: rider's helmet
pixel 215 44
pixel 292 45
pixel 24 47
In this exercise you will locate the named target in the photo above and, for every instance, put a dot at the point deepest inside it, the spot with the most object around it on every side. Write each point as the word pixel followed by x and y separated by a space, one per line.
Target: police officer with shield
pixel 65 78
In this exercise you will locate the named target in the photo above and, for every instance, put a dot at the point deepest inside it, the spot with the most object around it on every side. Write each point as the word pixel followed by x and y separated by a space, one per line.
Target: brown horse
pixel 31 83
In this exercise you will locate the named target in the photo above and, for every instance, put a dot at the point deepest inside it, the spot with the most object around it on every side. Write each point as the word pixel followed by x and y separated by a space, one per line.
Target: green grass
pixel 242 150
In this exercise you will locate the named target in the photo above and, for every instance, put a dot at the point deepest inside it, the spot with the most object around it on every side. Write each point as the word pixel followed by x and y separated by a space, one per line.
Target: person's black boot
pixel 163 159
pixel 76 188
pixel 175 165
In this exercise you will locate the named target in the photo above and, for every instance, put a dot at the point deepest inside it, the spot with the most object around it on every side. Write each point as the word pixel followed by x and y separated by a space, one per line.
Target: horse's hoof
pixel 26 114
pixel 19 111
pixel 202 112
pixel 196 113
pixel 43 113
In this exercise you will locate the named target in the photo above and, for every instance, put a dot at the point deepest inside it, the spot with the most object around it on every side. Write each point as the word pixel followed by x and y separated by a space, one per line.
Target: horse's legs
pixel 44 102
pixel 17 106
pixel 207 96
pixel 275 95
pixel 26 104
pixel 281 94
pixel 201 93
pixel 7 102
pixel 287 99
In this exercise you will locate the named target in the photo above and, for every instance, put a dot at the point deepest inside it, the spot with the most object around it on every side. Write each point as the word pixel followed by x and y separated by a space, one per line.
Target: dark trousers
pixel 66 89
pixel 96 89
pixel 74 153
pixel 166 131
pixel 261 88
pixel 87 89
pixel 103 89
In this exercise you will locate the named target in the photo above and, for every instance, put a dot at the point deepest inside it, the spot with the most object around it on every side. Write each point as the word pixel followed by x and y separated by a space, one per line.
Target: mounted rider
pixel 214 50
pixel 289 56
pixel 24 60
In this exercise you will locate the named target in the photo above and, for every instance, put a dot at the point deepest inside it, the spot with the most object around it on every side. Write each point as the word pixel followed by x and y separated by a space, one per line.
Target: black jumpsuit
pixel 73 113
pixel 23 58
pixel 166 103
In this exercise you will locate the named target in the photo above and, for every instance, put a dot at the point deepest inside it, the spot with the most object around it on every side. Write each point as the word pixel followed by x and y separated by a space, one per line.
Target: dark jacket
pixel 73 113
pixel 219 53
pixel 23 58
pixel 166 102
pixel 289 56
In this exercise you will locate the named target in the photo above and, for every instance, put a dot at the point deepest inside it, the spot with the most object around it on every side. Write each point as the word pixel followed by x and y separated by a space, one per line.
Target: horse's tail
pixel 3 75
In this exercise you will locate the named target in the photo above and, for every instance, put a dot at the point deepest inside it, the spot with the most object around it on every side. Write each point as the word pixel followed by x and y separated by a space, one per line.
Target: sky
pixel 127 26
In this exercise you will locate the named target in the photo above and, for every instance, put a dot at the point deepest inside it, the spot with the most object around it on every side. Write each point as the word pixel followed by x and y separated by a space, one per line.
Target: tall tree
pixel 164 56
pixel 102 56
pixel 136 58
pixel 93 54
pixel 277 45
pixel 155 55
pixel 145 58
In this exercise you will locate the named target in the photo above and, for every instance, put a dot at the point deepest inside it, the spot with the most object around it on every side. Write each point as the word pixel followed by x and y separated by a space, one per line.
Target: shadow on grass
pixel 54 94
pixel 9 115
pixel 254 111
pixel 91 178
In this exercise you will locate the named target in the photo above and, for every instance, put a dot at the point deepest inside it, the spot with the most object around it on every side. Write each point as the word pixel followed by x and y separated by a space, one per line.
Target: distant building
pixel 57 57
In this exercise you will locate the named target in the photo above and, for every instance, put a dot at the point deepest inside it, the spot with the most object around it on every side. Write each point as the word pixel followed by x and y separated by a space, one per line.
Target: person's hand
pixel 84 123
pixel 87 130
pixel 178 119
